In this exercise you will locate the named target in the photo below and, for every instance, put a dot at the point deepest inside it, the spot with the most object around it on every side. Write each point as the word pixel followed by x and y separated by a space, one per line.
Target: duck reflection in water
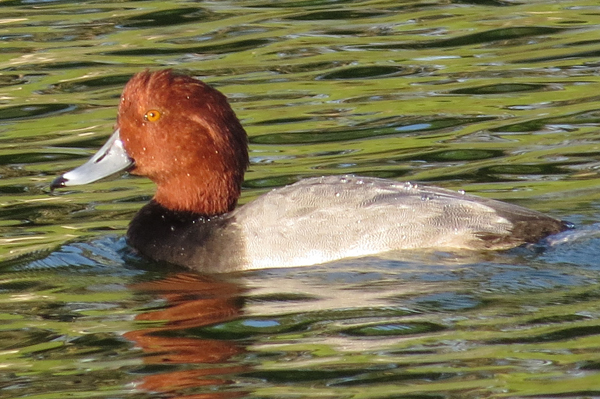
pixel 192 302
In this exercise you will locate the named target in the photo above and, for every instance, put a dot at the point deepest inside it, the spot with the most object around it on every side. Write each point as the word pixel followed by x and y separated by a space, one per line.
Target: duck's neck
pixel 207 195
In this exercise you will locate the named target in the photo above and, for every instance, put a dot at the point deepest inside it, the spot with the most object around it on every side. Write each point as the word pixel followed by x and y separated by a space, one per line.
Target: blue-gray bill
pixel 110 159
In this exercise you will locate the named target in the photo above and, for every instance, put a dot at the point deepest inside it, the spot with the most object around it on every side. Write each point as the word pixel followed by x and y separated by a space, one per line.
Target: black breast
pixel 210 244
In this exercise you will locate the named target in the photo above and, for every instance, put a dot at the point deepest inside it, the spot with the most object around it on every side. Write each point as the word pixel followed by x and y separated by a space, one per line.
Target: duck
pixel 183 135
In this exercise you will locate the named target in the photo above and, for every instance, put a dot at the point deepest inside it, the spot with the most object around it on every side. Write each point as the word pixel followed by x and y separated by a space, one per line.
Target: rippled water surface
pixel 499 98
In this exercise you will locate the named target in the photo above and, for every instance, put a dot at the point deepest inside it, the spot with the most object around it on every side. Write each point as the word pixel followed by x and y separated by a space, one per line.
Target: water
pixel 497 98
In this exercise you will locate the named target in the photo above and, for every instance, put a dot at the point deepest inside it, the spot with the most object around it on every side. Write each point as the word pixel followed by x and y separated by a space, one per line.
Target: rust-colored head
pixel 184 136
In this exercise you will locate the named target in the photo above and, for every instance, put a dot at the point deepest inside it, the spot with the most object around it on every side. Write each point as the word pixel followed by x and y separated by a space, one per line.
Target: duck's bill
pixel 110 159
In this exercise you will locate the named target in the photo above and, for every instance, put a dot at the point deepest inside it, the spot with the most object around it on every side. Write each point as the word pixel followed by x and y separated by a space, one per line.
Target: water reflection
pixel 358 327
pixel 191 302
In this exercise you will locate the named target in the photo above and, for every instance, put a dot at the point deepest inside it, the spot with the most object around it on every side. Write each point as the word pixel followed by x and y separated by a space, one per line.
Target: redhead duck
pixel 184 136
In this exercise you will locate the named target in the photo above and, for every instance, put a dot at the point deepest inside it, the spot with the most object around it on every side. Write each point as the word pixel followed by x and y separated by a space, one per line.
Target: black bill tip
pixel 58 183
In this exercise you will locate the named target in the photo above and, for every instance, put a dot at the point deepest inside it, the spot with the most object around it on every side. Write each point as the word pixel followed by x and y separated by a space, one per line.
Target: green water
pixel 499 98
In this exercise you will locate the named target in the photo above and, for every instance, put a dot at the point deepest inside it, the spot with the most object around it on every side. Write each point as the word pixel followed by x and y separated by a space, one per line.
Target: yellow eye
pixel 152 115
